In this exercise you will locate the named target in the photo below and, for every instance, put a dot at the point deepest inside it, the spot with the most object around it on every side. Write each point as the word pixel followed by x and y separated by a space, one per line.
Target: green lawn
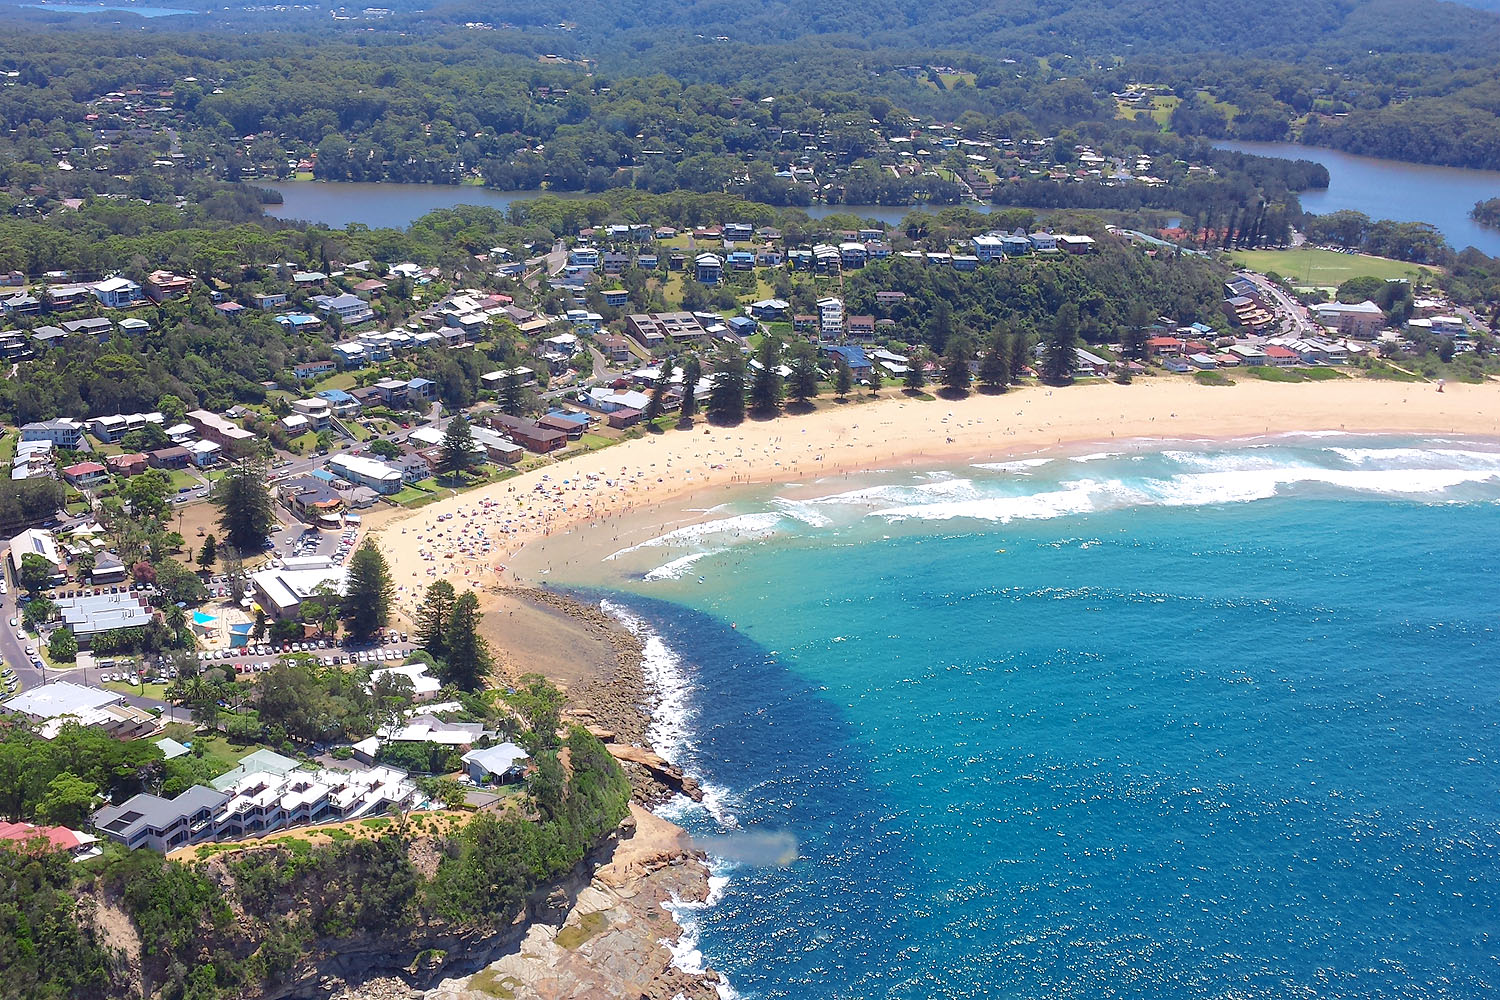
pixel 1311 266
pixel 1271 373
pixel 182 477
pixel 338 380
pixel 157 691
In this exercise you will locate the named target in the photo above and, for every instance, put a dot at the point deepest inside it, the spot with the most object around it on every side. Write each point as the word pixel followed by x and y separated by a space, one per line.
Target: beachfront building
pixel 830 318
pixel 361 471
pixel 1361 319
pixel 281 591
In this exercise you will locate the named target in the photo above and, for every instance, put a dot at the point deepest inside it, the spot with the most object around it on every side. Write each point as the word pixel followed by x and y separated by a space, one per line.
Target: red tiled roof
pixel 59 837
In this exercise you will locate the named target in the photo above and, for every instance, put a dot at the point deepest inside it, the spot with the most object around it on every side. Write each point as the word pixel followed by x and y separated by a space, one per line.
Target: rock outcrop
pixel 611 942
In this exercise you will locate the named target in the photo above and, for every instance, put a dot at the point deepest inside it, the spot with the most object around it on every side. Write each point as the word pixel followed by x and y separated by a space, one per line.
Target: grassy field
pixel 1323 267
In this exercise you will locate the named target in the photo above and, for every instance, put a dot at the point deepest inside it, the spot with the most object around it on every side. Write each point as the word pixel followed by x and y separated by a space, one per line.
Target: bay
pixel 1203 720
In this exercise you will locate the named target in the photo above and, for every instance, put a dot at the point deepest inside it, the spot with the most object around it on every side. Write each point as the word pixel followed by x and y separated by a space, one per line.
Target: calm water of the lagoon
pixel 79 8
pixel 1390 189
pixel 397 206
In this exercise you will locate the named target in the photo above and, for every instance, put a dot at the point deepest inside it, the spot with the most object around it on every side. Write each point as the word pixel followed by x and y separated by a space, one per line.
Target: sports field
pixel 1312 266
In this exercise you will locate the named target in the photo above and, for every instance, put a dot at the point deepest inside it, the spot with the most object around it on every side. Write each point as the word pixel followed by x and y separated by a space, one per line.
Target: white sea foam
pixel 743 526
pixel 1019 465
pixel 875 496
pixel 1237 485
pixel 670 732
pixel 804 512
pixel 672 716
pixel 1420 457
pixel 685 953
pixel 678 568
pixel 1098 456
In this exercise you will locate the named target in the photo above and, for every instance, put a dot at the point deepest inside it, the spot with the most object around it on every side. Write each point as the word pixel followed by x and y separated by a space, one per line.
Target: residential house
pixel 316 411
pixel 127 465
pixel 708 268
pixel 64 432
pixel 495 765
pixel 861 327
pixel 83 475
pixel 97 326
pixel 20 304
pixel 268 300
pixel 1085 363
pixel 116 293
pixel 987 248
pixel 527 433
pixel 112 429
pixel 314 369
pixel 613 347
pixel 854 355
pixel 164 285
pixel 769 309
pixel 205 453
pixel 497 448
pixel 350 309
pixel 1281 357
pixel 232 438
pixel 171 457
pixel 340 403
pixel 1076 244
pixel 35 541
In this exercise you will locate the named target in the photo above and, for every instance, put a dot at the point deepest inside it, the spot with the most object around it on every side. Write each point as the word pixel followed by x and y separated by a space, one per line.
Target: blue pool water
pixel 1218 721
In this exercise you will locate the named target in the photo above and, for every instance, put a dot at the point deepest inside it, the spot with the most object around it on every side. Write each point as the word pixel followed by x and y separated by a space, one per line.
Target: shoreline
pixel 498 540
pixel 503 540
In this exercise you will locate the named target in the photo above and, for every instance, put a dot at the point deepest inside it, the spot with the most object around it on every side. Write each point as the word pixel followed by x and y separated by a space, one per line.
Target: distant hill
pixel 1292 29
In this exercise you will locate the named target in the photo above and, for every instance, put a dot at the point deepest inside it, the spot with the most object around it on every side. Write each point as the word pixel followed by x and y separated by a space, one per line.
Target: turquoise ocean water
pixel 1219 720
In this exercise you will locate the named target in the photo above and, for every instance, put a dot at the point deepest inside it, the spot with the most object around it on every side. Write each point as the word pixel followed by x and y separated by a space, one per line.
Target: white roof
pixel 368 468
pixel 62 698
pixel 497 759
pixel 421 681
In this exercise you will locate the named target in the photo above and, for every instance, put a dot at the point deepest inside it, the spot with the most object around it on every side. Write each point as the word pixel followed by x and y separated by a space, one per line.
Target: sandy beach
pixel 487 538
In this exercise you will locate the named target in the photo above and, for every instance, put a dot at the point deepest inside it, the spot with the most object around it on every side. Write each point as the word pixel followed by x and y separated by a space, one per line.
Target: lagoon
pixel 78 8
pixel 1391 189
pixel 396 206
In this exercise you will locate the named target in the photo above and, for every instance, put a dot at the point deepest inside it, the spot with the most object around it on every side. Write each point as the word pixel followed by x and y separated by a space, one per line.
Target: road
pixel 1286 305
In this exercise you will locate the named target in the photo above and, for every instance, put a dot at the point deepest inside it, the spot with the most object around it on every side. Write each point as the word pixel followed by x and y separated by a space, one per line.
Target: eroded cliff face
pixel 604 934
